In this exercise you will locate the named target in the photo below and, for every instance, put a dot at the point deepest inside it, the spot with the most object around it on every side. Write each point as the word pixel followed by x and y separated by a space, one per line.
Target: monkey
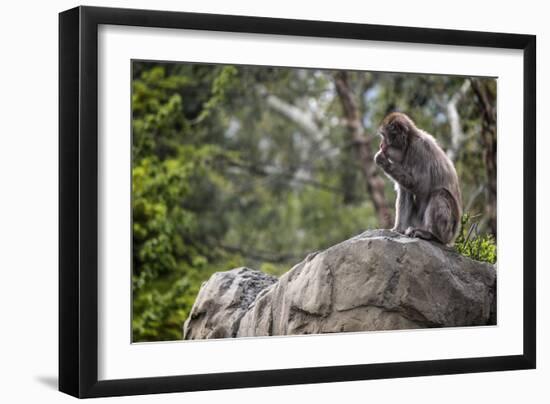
pixel 428 203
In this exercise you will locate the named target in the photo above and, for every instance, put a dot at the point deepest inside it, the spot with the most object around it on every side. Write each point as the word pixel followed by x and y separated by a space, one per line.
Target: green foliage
pixel 480 247
pixel 175 184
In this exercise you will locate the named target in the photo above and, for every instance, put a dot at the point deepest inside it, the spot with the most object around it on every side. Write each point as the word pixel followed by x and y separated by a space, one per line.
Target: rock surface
pixel 378 280
pixel 223 301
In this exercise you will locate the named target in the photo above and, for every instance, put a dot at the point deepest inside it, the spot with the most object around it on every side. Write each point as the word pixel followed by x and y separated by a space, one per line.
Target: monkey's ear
pixel 400 126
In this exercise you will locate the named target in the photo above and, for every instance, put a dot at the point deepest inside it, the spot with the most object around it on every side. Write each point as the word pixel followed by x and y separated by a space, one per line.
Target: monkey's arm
pixel 396 171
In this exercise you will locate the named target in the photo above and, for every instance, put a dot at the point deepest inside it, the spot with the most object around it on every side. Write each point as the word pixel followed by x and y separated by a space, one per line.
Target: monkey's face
pixel 394 140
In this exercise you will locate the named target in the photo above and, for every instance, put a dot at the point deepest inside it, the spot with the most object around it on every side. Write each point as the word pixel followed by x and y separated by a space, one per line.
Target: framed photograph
pixel 251 201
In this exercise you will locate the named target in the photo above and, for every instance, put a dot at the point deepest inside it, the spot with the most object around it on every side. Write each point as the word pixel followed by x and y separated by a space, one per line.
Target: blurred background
pixel 258 166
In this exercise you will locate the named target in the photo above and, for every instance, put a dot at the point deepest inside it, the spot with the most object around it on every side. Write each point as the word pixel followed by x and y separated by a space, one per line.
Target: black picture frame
pixel 78 201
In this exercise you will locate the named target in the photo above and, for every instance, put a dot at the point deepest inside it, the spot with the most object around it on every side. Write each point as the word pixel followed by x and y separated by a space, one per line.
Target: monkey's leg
pixel 421 233
pixel 404 210
pixel 438 223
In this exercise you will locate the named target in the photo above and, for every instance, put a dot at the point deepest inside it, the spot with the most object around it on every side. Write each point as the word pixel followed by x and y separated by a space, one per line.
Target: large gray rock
pixel 378 280
pixel 223 301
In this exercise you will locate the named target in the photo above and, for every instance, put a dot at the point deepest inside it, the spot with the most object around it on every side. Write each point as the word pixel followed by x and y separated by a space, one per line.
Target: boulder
pixel 378 280
pixel 223 301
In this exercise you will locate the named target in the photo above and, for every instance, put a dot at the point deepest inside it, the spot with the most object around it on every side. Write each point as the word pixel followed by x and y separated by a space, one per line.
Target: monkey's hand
pixel 383 146
pixel 381 160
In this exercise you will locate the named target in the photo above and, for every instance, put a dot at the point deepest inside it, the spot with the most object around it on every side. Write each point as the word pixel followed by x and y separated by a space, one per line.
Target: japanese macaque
pixel 428 203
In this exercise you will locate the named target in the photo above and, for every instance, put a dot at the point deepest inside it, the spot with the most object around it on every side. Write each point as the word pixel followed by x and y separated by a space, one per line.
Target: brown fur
pixel 428 203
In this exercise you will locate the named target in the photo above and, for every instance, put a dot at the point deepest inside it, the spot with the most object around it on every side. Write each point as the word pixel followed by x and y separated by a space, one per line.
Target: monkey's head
pixel 395 131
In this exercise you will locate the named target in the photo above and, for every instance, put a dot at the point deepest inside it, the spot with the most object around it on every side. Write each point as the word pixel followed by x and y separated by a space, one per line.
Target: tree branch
pixel 269 171
pixel 485 100
pixel 457 135
pixel 374 183
pixel 303 119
